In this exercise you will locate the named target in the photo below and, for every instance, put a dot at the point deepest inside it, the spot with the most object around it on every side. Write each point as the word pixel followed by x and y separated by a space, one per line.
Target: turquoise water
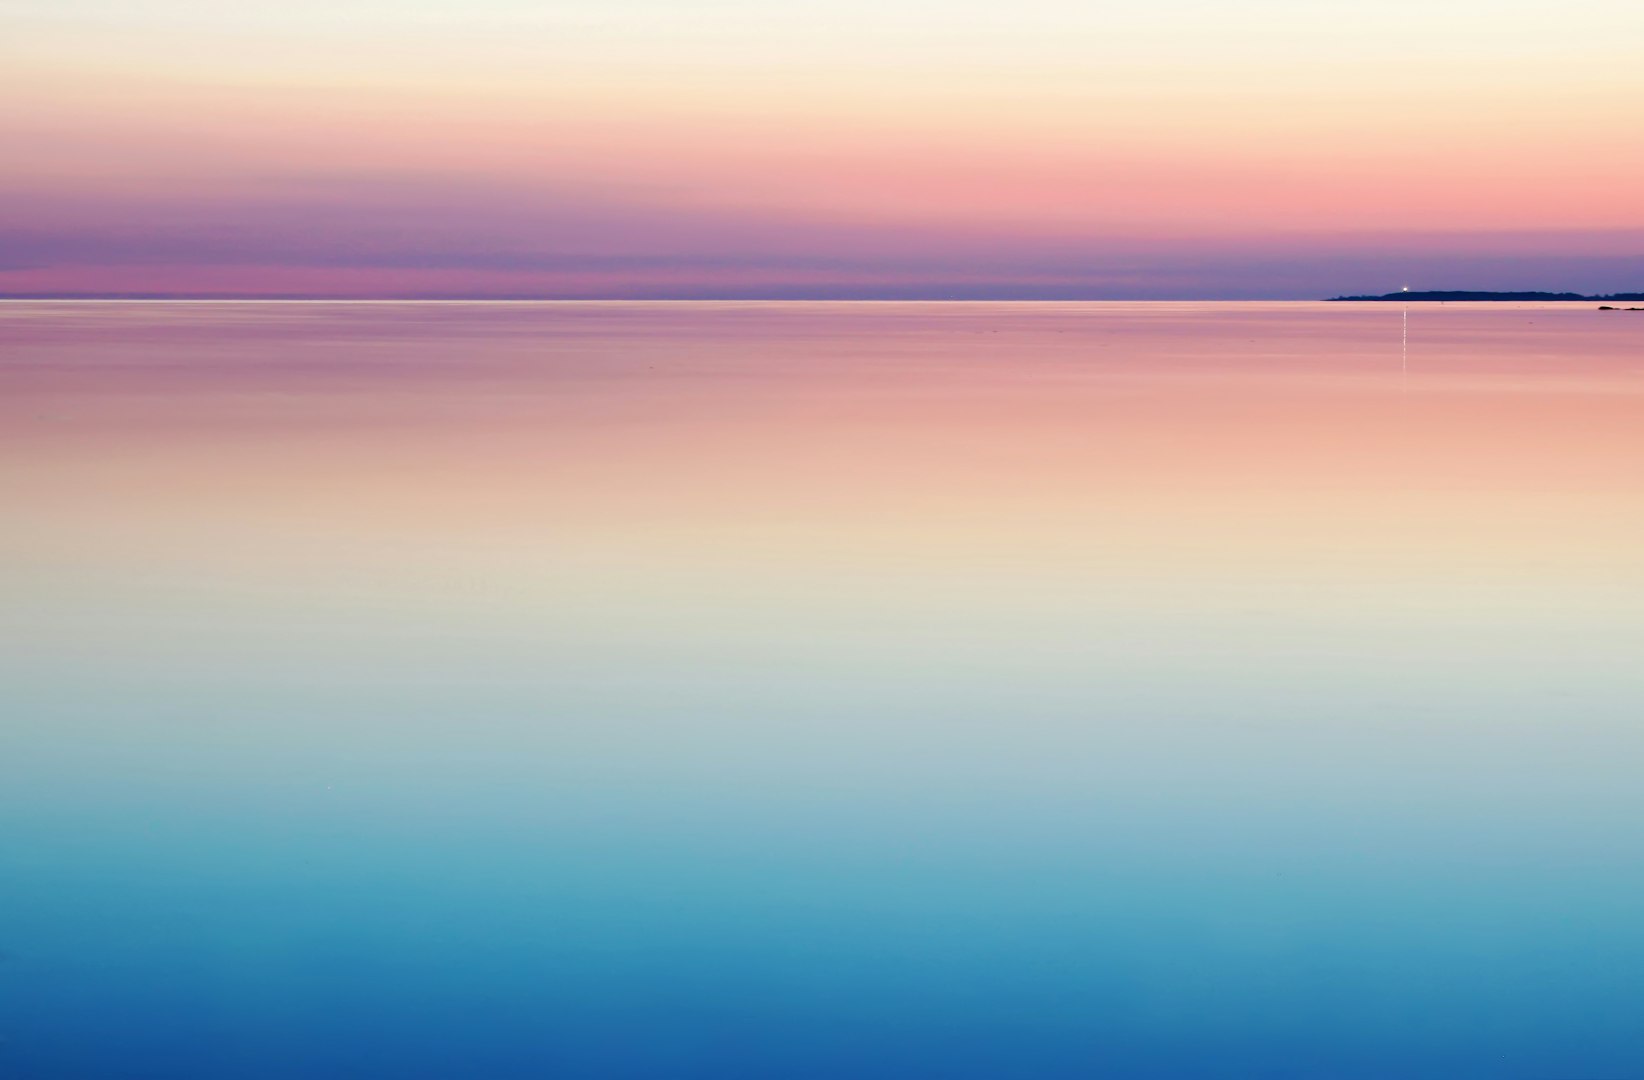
pixel 666 690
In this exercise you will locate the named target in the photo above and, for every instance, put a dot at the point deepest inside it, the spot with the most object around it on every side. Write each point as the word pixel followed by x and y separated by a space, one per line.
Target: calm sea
pixel 821 690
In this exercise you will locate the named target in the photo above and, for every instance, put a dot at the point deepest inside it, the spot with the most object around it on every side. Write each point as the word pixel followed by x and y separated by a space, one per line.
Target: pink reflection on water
pixel 1186 437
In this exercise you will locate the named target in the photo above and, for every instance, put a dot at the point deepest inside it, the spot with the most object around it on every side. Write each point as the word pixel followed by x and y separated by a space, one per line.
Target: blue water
pixel 1040 691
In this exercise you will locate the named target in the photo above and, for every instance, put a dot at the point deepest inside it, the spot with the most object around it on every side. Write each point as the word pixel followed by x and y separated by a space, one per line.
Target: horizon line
pixel 282 298
pixel 320 298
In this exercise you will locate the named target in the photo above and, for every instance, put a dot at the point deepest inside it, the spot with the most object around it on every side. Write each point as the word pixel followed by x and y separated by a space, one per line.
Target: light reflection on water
pixel 786 689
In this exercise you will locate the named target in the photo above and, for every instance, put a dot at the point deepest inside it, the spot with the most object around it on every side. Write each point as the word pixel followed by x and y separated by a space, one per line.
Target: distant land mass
pixel 1474 295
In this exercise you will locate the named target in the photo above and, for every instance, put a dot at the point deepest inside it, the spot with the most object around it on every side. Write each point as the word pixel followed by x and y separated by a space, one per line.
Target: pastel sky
pixel 791 148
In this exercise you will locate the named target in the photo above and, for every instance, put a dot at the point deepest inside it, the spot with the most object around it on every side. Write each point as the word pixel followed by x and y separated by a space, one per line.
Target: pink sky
pixel 902 148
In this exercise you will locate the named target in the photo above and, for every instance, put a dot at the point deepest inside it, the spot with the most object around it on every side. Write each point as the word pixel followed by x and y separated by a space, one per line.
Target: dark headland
pixel 1470 295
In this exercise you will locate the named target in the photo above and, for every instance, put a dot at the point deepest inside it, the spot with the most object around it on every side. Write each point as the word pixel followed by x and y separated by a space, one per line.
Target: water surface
pixel 717 690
